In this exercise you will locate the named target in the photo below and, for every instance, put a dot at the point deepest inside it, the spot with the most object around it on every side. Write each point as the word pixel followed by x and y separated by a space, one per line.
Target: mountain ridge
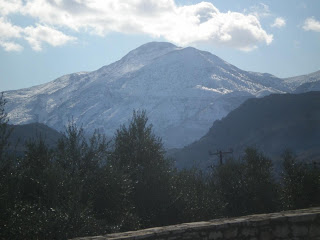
pixel 183 91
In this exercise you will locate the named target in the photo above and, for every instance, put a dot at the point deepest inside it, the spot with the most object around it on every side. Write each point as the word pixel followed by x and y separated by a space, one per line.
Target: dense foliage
pixel 90 187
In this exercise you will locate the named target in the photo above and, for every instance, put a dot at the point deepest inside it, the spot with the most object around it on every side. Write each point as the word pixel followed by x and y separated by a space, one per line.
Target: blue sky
pixel 41 40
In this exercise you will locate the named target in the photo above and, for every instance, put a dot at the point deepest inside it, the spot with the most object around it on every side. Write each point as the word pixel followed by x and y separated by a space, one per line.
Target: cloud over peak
pixel 182 25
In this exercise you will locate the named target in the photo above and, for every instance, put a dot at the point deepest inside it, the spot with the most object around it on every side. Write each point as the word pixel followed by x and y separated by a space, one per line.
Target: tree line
pixel 92 186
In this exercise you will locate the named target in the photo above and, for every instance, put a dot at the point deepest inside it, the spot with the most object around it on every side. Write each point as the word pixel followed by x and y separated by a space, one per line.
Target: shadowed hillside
pixel 272 124
pixel 33 131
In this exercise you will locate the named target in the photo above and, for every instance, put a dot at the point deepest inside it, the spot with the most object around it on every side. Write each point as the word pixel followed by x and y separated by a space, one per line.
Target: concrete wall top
pixel 294 224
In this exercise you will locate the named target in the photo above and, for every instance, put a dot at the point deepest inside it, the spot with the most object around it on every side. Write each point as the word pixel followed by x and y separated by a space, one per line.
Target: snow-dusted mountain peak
pixel 183 91
pixel 155 48
pixel 149 51
pixel 137 58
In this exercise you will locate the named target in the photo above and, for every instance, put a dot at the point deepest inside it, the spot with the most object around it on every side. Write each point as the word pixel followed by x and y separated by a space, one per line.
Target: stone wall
pixel 297 224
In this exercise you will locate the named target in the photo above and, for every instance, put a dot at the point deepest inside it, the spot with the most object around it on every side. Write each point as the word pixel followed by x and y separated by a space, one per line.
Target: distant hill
pixel 298 81
pixel 272 124
pixel 33 131
pixel 308 86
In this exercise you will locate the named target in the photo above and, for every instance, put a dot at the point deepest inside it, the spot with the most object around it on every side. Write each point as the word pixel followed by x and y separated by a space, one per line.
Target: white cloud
pixel 279 22
pixel 183 25
pixel 11 46
pixel 34 35
pixel 9 6
pixel 39 34
pixel 8 30
pixel 311 24
pixel 259 10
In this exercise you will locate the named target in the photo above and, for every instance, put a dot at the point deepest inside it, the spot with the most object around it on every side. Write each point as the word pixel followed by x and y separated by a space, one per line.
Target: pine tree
pixel 140 155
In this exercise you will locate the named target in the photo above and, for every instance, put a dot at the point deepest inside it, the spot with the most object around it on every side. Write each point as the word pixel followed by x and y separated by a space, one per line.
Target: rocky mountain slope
pixel 183 91
pixel 272 124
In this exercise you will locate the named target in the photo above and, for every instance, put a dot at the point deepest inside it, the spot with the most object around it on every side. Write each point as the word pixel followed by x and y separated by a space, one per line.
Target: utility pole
pixel 315 164
pixel 220 154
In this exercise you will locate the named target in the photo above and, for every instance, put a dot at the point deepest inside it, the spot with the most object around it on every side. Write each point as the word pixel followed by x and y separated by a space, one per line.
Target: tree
pixel 35 172
pixel 5 132
pixel 78 162
pixel 195 198
pixel 7 169
pixel 247 186
pixel 230 184
pixel 140 155
pixel 300 183
pixel 261 186
pixel 78 156
pixel 34 212
pixel 112 203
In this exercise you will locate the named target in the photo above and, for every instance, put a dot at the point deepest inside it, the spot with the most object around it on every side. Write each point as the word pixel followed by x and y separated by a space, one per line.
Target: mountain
pixel 304 83
pixel 308 86
pixel 21 134
pixel 272 124
pixel 183 91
